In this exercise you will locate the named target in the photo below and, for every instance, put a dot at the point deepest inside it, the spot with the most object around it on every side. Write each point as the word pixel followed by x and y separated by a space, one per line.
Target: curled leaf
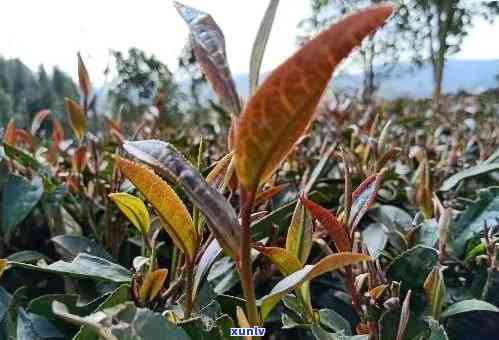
pixel 334 227
pixel 299 237
pixel 76 118
pixel 134 209
pixel 283 107
pixel 38 121
pixel 434 287
pixel 152 284
pixel 172 211
pixel 168 162
pixel 309 272
pixel 209 49
pixel 364 197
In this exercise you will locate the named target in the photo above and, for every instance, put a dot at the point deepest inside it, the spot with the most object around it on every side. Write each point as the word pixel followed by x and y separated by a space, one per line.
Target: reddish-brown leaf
pixel 83 78
pixel 23 136
pixel 10 135
pixel 57 131
pixel 80 159
pixel 268 194
pixel 38 121
pixel 364 197
pixel 334 227
pixel 283 107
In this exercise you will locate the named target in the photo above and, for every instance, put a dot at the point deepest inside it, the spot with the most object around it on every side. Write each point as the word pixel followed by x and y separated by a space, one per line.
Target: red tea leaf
pixel 283 107
pixel 334 227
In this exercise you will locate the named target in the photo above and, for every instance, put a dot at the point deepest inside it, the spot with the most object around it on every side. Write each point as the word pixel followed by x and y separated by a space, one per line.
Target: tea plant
pixel 323 231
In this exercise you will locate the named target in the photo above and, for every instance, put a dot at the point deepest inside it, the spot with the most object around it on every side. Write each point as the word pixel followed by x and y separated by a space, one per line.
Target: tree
pixel 378 53
pixel 142 79
pixel 435 29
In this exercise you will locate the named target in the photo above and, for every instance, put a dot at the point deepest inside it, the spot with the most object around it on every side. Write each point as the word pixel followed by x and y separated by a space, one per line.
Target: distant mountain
pixel 473 76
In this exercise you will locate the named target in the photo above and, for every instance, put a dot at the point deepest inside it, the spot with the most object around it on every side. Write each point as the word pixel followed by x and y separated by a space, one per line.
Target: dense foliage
pixel 309 216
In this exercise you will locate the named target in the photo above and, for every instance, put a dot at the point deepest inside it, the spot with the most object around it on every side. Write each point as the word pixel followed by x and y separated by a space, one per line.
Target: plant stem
pixel 189 266
pixel 245 270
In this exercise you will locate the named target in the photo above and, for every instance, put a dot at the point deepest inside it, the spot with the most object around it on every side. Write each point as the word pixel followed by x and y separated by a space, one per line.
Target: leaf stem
pixel 245 271
pixel 189 287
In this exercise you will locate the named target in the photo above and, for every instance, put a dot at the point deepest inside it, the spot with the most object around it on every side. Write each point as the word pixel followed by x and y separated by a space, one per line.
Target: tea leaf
pixel 10 135
pixel 83 266
pixel 283 107
pixel 168 162
pixel 466 306
pixel 404 317
pixel 333 226
pixel 434 287
pixel 209 49
pixel 80 159
pixel 153 282
pixel 299 237
pixel 4 265
pixel 471 221
pixel 20 197
pixel 83 77
pixel 285 260
pixel 76 118
pixel 38 121
pixel 134 209
pixel 473 171
pixel 172 211
pixel 364 197
pixel 309 272
pixel 262 38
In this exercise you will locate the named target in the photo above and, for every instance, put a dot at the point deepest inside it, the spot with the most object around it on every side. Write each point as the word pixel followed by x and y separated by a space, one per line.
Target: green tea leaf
pixel 20 196
pixel 468 306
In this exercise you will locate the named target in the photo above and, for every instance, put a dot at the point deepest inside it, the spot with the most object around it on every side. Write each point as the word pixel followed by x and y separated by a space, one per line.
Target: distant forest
pixel 24 92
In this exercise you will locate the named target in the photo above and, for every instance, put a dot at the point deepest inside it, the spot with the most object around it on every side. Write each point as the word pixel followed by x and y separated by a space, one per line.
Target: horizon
pixel 49 45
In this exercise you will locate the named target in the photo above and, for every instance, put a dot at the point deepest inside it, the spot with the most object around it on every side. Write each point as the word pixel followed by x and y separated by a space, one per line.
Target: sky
pixel 52 32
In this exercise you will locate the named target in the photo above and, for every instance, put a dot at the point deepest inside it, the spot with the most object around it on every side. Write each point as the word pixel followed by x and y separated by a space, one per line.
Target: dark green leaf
pixel 468 306
pixel 473 171
pixel 413 266
pixel 20 196
pixel 70 246
pixel 84 266
pixel 34 327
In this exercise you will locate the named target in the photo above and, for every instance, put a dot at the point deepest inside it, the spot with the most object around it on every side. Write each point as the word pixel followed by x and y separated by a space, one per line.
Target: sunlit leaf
pixel 38 120
pixel 283 107
pixel 83 77
pixel 364 197
pixel 168 162
pixel 176 219
pixel 9 135
pixel 286 261
pixel 209 49
pixel 76 118
pixel 134 209
pixel 260 44
pixel 4 265
pixel 152 285
pixel 299 237
pixel 309 272
pixel 333 226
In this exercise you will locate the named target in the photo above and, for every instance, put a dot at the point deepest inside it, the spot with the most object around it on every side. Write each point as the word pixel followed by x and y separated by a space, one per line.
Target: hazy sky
pixel 51 32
